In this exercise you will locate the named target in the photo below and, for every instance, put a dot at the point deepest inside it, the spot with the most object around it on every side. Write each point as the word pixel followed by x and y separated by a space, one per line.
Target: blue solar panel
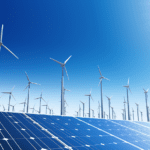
pixel 127 130
pixel 31 131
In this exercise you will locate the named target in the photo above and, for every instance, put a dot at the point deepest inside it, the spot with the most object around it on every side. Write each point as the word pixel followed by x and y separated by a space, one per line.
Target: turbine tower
pixel 79 111
pixel 89 102
pixel 123 114
pixel 133 113
pixel 146 91
pixel 124 108
pixel 112 112
pixel 1 43
pixel 127 87
pixel 13 107
pixel 141 115
pixel 137 111
pixel 102 77
pixel 46 106
pixel 41 98
pixel 83 107
pixel 62 83
pixel 29 82
pixel 93 113
pixel 24 105
pixel 10 94
pixel 109 98
pixel 33 108
pixel 99 107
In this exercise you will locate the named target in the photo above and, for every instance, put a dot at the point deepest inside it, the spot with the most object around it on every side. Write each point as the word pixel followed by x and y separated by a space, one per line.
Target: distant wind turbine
pixel 99 107
pixel 10 94
pixel 83 107
pixel 92 113
pixel 102 77
pixel 1 43
pixel 127 87
pixel 146 91
pixel 137 111
pixel 29 82
pixel 33 109
pixel 46 106
pixel 24 105
pixel 77 113
pixel 109 98
pixel 89 101
pixel 62 83
pixel 41 98
pixel 124 108
pixel 112 112
pixel 133 113
pixel 141 115
pixel 13 107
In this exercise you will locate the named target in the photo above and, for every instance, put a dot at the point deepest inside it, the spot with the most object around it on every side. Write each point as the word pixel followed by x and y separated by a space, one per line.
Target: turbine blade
pixel 99 71
pixel 26 87
pixel 37 98
pixel 6 92
pixel 67 59
pixel 27 77
pixel 56 61
pixel 66 73
pixel 35 83
pixel 106 79
pixel 9 51
pixel 147 90
pixel 13 97
pixel 2 32
pixel 43 100
pixel 144 89
pixel 13 88
pixel 86 95
pixel 92 98
pixel 130 90
pixel 100 82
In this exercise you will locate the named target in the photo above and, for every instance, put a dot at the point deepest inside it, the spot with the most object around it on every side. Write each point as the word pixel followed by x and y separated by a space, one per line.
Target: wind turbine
pixel 62 83
pixel 3 108
pixel 83 107
pixel 41 98
pixel 133 113
pixel 29 82
pixel 49 110
pixel 93 112
pixel 146 91
pixel 104 114
pixel 89 101
pixel 1 43
pixel 33 108
pixel 46 106
pixel 107 116
pixel 65 103
pixel 112 112
pixel 123 114
pixel 102 77
pixel 10 94
pixel 13 107
pixel 141 115
pixel 137 111
pixel 127 87
pixel 124 108
pixel 77 113
pixel 109 98
pixel 24 105
pixel 99 107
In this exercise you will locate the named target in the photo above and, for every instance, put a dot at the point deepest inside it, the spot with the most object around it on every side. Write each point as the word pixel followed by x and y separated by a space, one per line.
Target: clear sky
pixel 112 34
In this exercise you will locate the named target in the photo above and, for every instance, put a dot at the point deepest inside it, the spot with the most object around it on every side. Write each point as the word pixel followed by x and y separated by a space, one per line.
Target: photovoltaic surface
pixel 31 131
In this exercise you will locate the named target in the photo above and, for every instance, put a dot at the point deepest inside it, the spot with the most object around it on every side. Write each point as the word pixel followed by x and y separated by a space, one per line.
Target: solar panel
pixel 31 131
pixel 133 133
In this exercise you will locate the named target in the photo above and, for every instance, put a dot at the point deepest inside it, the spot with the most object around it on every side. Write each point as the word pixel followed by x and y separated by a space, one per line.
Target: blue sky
pixel 112 34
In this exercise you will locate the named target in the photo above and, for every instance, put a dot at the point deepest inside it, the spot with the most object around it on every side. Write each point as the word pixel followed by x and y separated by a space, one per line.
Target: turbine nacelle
pixel 145 91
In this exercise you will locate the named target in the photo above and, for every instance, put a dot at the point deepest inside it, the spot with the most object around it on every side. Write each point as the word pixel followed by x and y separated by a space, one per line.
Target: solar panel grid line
pixel 29 134
pixel 53 136
pixel 141 125
pixel 60 127
pixel 4 137
pixel 1 146
pixel 64 121
pixel 110 134
pixel 129 128
pixel 30 122
pixel 21 134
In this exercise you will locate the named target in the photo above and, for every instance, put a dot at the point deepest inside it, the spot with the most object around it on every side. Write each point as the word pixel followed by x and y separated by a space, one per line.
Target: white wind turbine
pixel 46 106
pixel 1 43
pixel 29 82
pixel 62 83
pixel 24 103
pixel 99 107
pixel 124 108
pixel 89 101
pixel 137 111
pixel 146 91
pixel 102 77
pixel 109 98
pixel 83 107
pixel 33 109
pixel 127 87
pixel 10 94
pixel 13 107
pixel 41 98
pixel 133 113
